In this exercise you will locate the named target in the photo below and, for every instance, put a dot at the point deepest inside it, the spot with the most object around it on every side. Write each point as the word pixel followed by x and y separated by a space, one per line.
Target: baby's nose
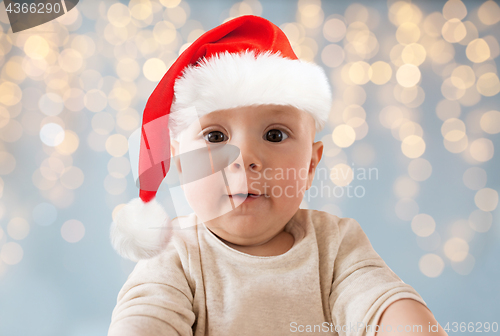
pixel 244 162
pixel 237 165
pixel 250 157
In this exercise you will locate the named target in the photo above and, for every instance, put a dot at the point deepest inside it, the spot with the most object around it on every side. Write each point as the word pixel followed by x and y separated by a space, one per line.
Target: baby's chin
pixel 244 230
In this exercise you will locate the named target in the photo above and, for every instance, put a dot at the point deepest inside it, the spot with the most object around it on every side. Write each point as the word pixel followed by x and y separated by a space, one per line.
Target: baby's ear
pixel 317 153
pixel 174 150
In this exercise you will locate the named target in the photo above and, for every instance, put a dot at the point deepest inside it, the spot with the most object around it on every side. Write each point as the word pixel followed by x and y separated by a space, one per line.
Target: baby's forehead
pixel 257 114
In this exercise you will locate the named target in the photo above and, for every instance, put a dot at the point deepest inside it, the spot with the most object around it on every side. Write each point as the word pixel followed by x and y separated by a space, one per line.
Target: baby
pixel 248 261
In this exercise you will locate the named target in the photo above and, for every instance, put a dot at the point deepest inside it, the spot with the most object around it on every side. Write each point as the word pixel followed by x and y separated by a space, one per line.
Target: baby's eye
pixel 215 136
pixel 275 135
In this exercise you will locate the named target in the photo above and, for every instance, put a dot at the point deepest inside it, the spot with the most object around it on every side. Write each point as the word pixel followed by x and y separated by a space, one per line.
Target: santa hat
pixel 245 61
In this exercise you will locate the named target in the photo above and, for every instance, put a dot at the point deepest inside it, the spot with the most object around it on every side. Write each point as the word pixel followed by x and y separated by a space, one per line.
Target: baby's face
pixel 262 189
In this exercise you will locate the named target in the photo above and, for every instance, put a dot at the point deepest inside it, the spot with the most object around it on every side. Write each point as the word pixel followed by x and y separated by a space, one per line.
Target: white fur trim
pixel 229 80
pixel 140 230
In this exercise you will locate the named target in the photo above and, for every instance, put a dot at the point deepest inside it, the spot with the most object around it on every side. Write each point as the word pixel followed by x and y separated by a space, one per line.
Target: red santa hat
pixel 245 61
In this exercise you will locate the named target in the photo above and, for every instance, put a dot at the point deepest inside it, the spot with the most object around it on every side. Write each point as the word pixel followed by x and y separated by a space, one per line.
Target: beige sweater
pixel 331 278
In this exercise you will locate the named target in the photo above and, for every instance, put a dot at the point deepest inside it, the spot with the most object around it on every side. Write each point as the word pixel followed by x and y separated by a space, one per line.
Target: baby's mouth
pixel 245 195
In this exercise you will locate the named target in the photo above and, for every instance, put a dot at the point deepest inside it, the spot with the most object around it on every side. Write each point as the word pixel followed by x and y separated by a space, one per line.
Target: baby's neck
pixel 277 245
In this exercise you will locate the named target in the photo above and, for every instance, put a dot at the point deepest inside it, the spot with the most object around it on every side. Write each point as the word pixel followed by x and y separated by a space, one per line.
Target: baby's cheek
pixel 290 185
pixel 207 197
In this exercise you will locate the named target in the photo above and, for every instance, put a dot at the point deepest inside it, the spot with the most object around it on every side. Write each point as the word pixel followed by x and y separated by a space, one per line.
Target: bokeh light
pixel 52 134
pixel 453 129
pixel 70 60
pixel 406 209
pixel 36 47
pixel 405 187
pixel 128 119
pixel 488 84
pixel 73 99
pixel 431 265
pixel 454 30
pixel 334 29
pixel 478 51
pixel 359 72
pixel 408 33
pixel 408 128
pixel 117 145
pixel 463 77
pixel 343 135
pixel 11 253
pixel 119 98
pixel 154 69
pixel 461 229
pixel 454 9
pixel 475 178
pixel 18 228
pixel 115 185
pixel 423 225
pixel 482 149
pixel 480 220
pixel 72 231
pixel 381 72
pixel 413 53
pixel 12 131
pixel 354 115
pixel 408 75
pixel 441 52
pixel 486 199
pixel 128 69
pixel 458 146
pixel 51 104
pixel 341 174
pixel 490 122
pixel 456 249
pixel 413 146
pixel 420 169
pixel 72 177
pixel 119 15
pixel 391 116
pixel 95 100
pixel 332 55
pixel 465 266
pixel 451 91
pixel 70 143
pixel 489 13
pixel 10 93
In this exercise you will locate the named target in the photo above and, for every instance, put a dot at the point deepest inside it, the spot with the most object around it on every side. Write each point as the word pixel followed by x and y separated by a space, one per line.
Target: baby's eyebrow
pixel 284 117
pixel 280 110
pixel 275 114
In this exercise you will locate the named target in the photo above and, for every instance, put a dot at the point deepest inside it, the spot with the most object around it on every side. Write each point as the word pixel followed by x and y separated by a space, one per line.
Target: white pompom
pixel 140 230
